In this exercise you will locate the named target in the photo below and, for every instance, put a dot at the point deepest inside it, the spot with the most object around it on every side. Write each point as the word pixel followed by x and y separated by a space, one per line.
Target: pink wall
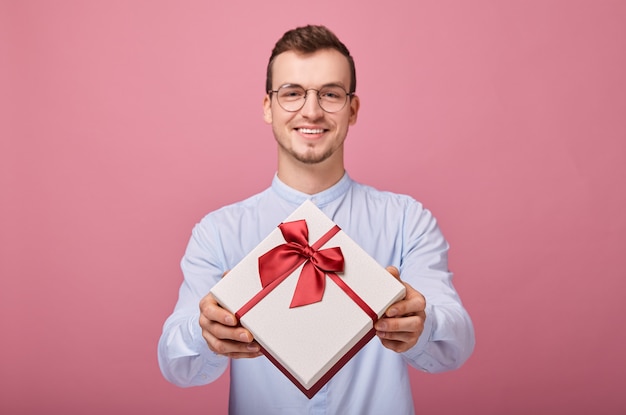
pixel 123 122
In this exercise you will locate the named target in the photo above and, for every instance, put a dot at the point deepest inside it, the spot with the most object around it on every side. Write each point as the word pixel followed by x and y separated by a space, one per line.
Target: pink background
pixel 123 122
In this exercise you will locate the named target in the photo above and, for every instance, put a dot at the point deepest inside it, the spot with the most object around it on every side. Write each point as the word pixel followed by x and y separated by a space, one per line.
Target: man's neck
pixel 310 178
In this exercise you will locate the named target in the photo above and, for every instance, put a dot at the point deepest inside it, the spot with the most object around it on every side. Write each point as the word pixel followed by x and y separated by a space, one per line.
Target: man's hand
pixel 222 334
pixel 403 323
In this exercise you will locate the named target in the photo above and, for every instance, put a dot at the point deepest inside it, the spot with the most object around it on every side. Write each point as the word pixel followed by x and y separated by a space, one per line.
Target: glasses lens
pixel 291 98
pixel 330 98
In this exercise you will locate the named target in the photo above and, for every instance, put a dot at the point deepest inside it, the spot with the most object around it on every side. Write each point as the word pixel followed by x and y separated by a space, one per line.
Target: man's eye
pixel 330 95
pixel 291 93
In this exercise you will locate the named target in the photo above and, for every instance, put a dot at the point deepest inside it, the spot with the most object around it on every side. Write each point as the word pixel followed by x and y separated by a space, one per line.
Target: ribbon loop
pixel 283 259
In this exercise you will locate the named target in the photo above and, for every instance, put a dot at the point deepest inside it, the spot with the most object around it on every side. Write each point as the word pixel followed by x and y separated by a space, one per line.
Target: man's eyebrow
pixel 339 84
pixel 330 84
pixel 290 84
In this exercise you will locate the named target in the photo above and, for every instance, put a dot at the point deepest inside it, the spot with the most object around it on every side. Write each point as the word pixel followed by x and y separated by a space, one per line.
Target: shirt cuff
pixel 206 365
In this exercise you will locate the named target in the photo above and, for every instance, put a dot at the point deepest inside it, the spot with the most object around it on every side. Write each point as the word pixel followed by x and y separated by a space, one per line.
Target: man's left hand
pixel 403 323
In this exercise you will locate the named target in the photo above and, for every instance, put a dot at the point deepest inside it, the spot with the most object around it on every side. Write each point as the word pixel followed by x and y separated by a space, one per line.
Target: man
pixel 310 104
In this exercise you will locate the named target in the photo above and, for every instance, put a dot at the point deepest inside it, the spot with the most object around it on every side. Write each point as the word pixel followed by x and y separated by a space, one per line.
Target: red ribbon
pixel 282 260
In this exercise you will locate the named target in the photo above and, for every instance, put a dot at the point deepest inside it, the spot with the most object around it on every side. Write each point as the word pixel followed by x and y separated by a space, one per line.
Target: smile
pixel 311 130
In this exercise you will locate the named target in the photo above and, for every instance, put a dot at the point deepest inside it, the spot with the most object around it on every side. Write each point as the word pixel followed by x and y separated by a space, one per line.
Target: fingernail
pixel 229 320
pixel 392 312
pixel 381 326
pixel 244 337
pixel 252 347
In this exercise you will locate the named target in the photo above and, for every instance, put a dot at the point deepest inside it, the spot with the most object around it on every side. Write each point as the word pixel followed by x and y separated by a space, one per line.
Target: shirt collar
pixel 320 199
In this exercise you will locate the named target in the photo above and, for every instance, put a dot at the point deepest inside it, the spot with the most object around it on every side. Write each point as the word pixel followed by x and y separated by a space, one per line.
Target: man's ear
pixel 355 104
pixel 267 109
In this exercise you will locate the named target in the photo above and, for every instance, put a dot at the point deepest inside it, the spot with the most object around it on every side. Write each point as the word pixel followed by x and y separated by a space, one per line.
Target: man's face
pixel 310 135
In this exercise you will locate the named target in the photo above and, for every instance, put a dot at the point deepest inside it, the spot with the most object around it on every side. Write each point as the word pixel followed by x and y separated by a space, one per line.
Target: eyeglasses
pixel 331 98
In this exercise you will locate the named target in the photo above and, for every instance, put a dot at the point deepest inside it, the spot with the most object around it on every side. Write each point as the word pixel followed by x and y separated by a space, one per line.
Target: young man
pixel 310 104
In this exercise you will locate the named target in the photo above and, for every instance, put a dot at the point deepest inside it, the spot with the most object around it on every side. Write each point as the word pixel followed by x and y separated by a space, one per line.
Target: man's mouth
pixel 311 130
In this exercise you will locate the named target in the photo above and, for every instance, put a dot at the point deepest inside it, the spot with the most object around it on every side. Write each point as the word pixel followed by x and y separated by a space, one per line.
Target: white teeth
pixel 310 131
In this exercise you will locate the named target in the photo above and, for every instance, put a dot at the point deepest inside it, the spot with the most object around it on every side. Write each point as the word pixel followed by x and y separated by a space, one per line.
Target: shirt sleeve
pixel 448 337
pixel 184 357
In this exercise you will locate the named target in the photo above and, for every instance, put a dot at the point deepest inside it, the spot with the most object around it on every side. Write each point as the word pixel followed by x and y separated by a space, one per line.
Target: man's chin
pixel 308 155
pixel 311 158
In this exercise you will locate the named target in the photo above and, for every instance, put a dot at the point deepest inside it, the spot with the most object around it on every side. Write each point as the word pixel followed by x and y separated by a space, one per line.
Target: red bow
pixel 284 259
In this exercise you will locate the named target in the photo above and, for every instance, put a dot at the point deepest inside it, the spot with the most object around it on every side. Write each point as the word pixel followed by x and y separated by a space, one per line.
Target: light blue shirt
pixel 395 230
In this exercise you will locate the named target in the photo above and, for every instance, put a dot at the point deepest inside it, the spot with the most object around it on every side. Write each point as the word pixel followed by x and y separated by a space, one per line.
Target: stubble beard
pixel 309 156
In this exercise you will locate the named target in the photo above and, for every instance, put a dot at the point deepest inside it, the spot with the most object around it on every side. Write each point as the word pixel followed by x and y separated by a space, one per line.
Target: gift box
pixel 310 297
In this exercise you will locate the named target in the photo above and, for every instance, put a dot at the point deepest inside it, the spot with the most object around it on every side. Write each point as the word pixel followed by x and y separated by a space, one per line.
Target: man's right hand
pixel 222 333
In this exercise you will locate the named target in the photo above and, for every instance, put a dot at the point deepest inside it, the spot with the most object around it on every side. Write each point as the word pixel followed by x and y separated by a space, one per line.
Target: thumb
pixel 393 271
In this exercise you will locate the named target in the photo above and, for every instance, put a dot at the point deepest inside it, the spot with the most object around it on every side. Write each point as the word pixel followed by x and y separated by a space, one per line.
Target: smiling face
pixel 310 135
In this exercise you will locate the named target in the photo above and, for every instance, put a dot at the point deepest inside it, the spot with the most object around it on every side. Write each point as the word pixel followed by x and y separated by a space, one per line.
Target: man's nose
pixel 311 107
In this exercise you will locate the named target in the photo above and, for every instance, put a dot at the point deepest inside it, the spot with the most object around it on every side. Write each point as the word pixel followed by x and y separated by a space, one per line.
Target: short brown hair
pixel 309 39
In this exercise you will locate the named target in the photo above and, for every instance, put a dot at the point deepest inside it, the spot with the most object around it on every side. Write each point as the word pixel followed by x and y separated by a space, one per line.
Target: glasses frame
pixel 349 95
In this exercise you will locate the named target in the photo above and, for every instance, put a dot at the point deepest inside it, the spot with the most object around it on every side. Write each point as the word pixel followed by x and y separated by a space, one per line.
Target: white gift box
pixel 309 343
